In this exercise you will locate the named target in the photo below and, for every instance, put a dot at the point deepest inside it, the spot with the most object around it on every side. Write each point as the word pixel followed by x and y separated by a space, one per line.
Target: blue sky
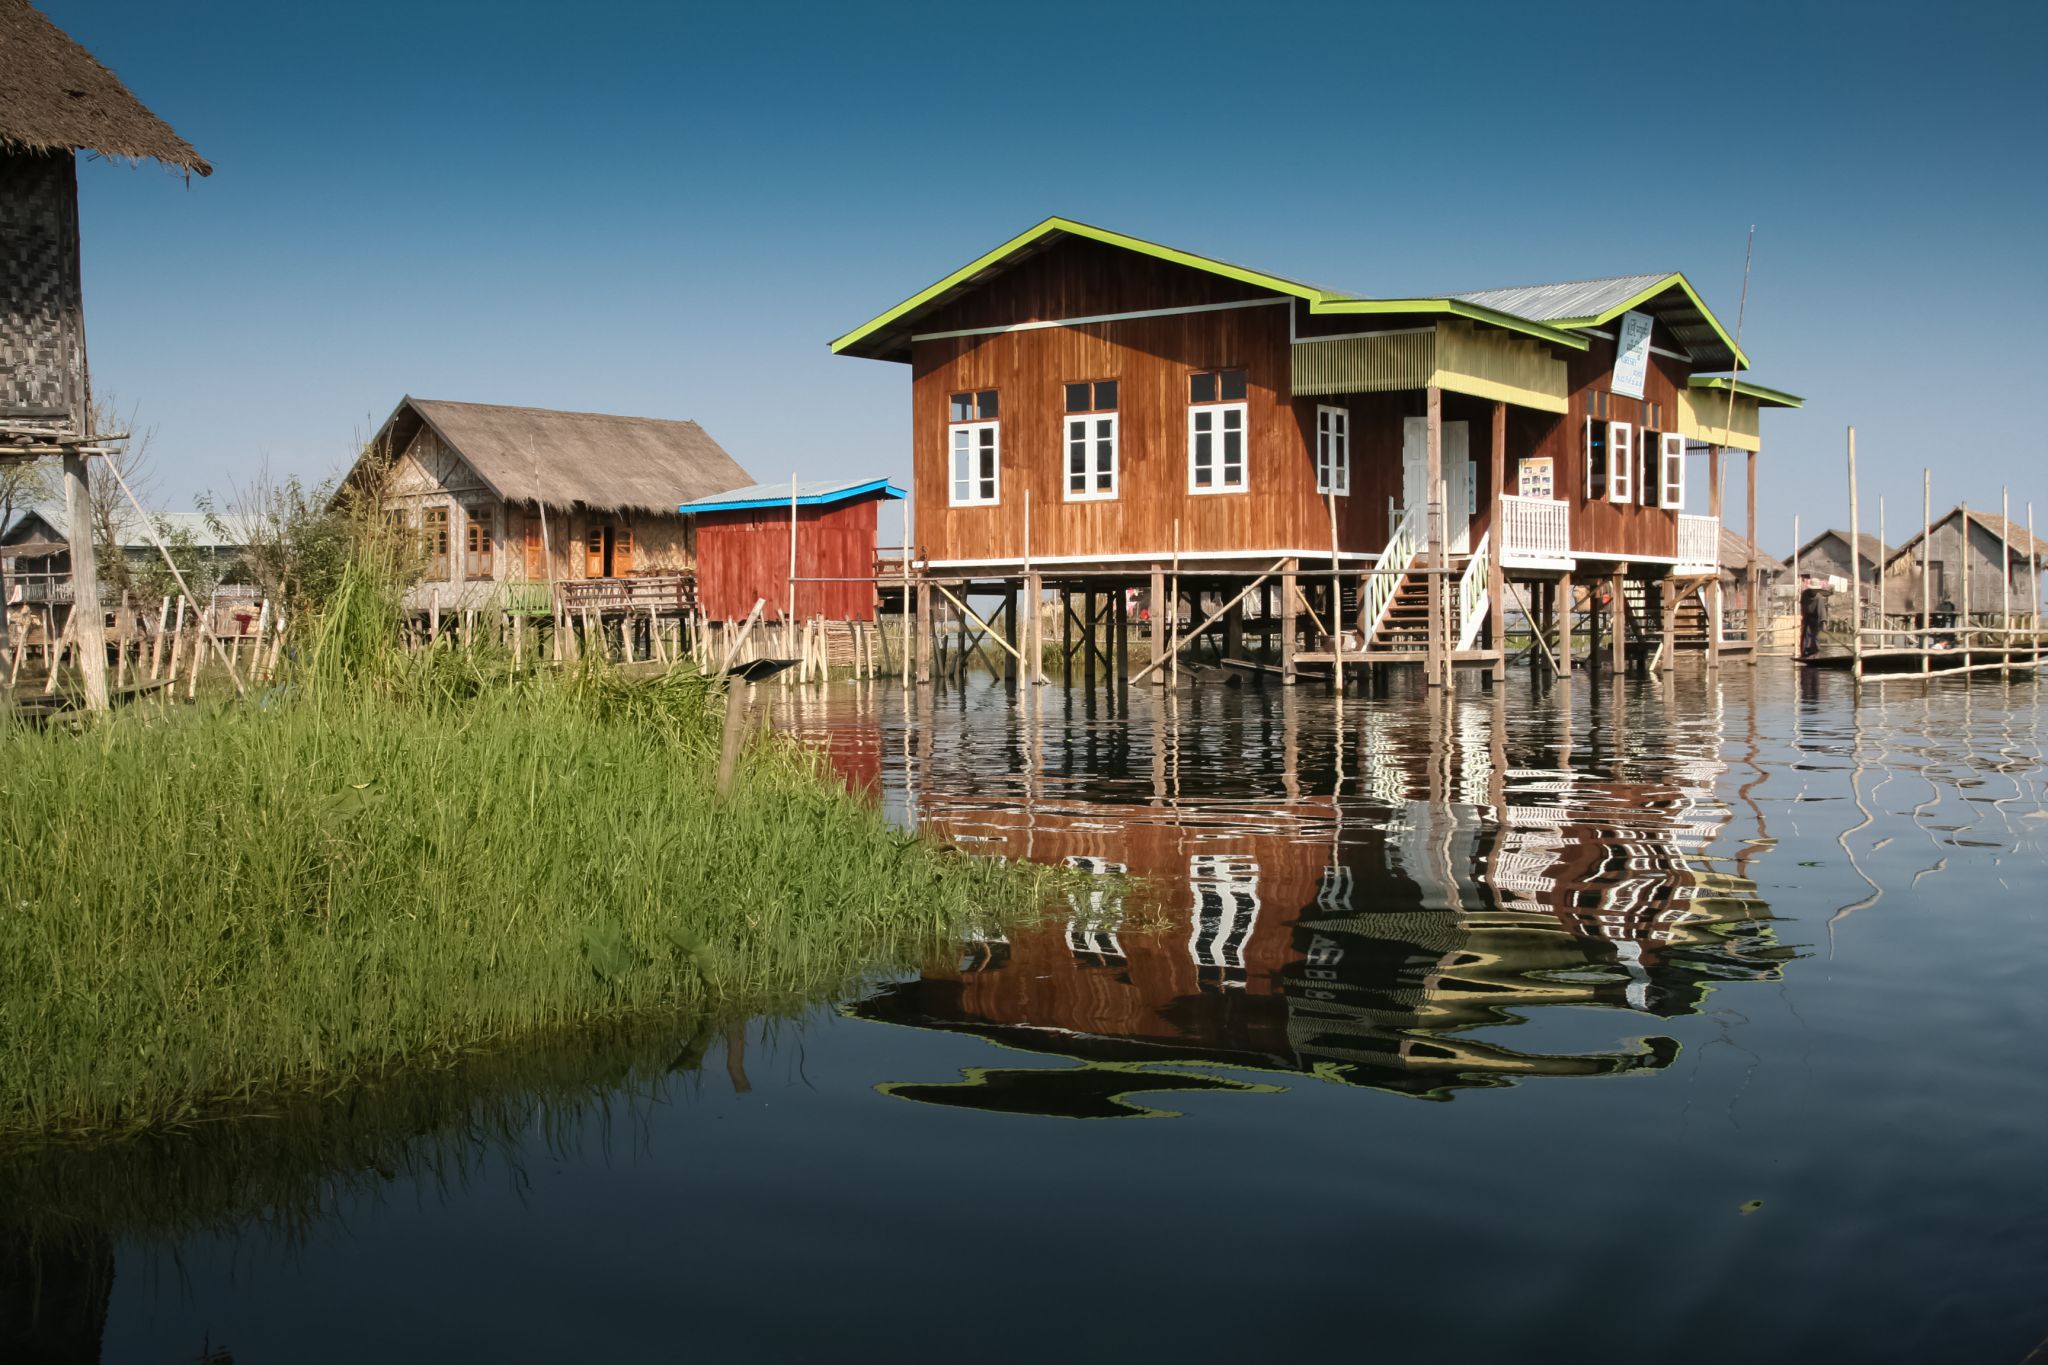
pixel 669 210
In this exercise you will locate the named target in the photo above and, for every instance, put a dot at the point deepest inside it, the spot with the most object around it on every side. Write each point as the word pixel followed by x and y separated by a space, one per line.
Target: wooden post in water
pixel 1496 609
pixel 1967 639
pixel 2004 565
pixel 1855 571
pixel 1158 623
pixel 1565 593
pixel 1756 611
pixel 1433 480
pixel 1715 605
pixel 1290 591
pixel 1336 600
pixel 1882 640
pixel 1926 588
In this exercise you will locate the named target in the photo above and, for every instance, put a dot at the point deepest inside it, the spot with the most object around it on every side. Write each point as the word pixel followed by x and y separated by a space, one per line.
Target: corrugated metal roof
pixel 1568 299
pixel 235 531
pixel 816 493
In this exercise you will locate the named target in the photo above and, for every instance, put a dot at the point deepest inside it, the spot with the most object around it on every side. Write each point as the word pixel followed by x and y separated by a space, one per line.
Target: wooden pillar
pixel 1010 633
pixel 1617 620
pixel 1034 628
pixel 1561 608
pixel 1233 631
pixel 88 625
pixel 1433 477
pixel 922 646
pixel 1120 626
pixel 1290 590
pixel 1089 619
pixel 1160 607
pixel 1756 606
pixel 1667 601
pixel 1714 604
pixel 1496 577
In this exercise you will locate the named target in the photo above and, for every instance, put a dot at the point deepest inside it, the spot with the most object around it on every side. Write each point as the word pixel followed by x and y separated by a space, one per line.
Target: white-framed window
pixel 1091 446
pixel 974 449
pixel 1333 450
pixel 1596 459
pixel 1620 462
pixel 1217 431
pixel 1672 447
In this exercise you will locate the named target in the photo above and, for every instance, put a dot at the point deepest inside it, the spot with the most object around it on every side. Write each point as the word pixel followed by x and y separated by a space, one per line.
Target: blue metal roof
pixel 815 494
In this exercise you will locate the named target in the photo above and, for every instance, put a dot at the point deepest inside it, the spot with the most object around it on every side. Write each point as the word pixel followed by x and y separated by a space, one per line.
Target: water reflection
pixel 1363 897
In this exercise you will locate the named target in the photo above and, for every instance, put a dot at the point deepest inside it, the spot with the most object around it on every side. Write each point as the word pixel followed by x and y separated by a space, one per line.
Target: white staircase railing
pixel 1473 593
pixel 1377 594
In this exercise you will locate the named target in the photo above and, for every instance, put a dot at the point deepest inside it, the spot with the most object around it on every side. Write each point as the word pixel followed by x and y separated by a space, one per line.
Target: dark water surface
pixel 1686 1021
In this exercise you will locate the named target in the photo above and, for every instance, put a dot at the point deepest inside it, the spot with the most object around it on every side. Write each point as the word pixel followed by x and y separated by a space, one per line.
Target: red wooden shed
pixel 743 549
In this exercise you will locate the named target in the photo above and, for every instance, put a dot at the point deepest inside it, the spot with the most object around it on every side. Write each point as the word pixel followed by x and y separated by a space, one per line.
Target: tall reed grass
pixel 407 857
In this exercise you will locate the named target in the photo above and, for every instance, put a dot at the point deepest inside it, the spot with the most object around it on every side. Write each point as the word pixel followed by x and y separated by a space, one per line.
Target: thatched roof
pixel 2025 545
pixel 569 459
pixel 54 97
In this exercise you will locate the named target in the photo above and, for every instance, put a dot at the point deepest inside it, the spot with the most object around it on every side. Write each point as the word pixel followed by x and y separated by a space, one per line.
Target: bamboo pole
pixel 1967 638
pixel 1336 600
pixel 54 651
pixel 1855 572
pixel 732 649
pixel 202 632
pixel 1926 535
pixel 2004 556
pixel 967 615
pixel 1881 544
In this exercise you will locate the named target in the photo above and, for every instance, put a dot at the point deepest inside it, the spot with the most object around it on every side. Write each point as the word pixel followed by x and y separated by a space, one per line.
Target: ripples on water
pixel 1727 991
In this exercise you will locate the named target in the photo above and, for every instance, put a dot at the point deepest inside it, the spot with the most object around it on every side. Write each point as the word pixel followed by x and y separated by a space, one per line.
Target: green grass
pixel 404 859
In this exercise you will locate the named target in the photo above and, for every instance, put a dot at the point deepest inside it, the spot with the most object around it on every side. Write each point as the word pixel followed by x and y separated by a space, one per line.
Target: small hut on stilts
pixel 56 101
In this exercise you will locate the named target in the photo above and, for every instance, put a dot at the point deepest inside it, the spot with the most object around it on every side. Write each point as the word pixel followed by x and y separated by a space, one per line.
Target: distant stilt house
pixel 1735 568
pixel 1992 568
pixel 744 557
pixel 531 510
pixel 1086 405
pixel 56 101
pixel 1824 562
pixel 37 554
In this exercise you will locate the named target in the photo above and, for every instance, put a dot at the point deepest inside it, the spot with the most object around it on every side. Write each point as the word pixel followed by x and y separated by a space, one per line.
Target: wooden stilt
pixel 1290 591
pixel 87 624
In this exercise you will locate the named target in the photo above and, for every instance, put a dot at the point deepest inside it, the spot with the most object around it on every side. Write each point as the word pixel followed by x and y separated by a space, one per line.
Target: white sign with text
pixel 1632 354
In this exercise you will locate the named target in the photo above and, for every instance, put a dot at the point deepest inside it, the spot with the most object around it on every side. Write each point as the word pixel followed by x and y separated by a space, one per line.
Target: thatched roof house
pixel 55 101
pixel 1993 565
pixel 514 494
pixel 55 97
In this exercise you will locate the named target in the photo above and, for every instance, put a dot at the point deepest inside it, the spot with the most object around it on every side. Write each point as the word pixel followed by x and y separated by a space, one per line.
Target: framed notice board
pixel 1538 477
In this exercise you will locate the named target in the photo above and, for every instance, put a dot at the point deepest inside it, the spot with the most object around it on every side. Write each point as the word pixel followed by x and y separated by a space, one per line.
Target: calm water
pixel 1687 1021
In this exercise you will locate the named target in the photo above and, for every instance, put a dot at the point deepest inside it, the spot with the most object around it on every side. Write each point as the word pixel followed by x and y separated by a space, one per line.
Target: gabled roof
pixel 1735 553
pixel 887 336
pixel 567 459
pixel 54 97
pixel 1765 398
pixel 2024 544
pixel 1870 547
pixel 1585 304
pixel 813 494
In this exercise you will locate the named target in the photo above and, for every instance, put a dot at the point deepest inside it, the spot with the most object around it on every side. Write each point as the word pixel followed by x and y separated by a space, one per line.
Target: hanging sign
pixel 1632 354
pixel 1537 477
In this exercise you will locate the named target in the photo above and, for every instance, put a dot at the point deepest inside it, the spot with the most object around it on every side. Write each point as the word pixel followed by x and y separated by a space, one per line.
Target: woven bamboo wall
pixel 42 327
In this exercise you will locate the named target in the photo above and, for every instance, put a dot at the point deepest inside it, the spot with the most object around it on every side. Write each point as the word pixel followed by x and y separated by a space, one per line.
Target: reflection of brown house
pixel 1277 957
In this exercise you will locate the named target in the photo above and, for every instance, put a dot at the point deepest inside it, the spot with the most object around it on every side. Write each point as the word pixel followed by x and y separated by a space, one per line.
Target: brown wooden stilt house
pixel 1371 480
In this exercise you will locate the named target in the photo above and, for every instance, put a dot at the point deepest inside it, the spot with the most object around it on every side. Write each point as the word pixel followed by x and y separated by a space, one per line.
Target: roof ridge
pixel 554 412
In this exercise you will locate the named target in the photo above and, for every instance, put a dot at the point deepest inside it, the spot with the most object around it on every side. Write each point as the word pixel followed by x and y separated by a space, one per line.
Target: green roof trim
pixel 1068 227
pixel 1773 398
pixel 1456 308
pixel 1668 282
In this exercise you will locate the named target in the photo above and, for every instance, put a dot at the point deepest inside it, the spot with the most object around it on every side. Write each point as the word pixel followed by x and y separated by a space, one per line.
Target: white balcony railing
pixel 1699 543
pixel 1535 533
pixel 1474 592
pixel 1376 596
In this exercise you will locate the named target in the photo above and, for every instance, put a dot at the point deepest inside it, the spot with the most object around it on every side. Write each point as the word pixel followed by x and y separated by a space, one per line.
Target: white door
pixel 1457 472
pixel 1458 493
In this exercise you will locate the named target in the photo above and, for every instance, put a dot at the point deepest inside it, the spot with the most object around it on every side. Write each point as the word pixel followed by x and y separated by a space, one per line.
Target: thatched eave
pixel 56 97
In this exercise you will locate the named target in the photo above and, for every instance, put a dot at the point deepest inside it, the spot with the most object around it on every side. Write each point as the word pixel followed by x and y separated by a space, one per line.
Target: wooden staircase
pixel 1406 627
pixel 1690 623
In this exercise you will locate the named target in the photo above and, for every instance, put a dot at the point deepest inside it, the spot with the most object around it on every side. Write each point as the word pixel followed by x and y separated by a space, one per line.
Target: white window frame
pixel 1621 454
pixel 1586 461
pixel 1673 471
pixel 973 432
pixel 1333 450
pixel 1244 427
pixel 1100 450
